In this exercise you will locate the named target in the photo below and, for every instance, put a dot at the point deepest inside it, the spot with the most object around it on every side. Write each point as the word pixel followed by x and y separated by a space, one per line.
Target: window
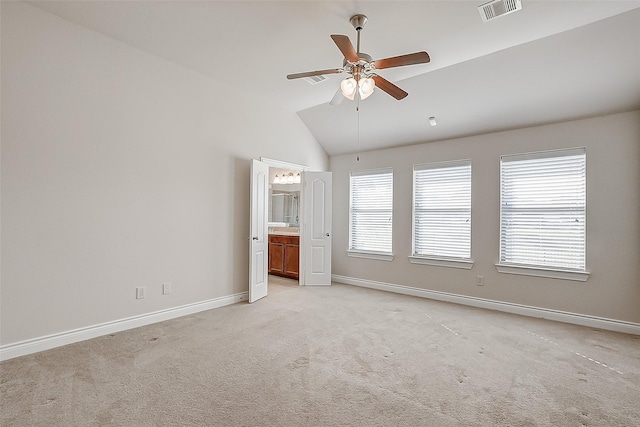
pixel 543 213
pixel 371 214
pixel 442 214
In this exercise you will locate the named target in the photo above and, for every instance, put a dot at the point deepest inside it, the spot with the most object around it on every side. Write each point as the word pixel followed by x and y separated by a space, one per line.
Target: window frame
pixel 368 253
pixel 433 259
pixel 546 271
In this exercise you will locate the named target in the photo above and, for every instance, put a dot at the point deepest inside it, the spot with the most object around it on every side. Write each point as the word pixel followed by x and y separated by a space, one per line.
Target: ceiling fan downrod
pixel 358 21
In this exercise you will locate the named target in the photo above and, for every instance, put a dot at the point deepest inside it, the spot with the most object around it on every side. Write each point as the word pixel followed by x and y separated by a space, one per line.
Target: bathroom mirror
pixel 285 207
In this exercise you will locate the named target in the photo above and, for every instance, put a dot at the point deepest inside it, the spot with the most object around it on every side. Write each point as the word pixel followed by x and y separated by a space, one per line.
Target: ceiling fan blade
pixel 337 99
pixel 345 46
pixel 389 87
pixel 402 60
pixel 314 73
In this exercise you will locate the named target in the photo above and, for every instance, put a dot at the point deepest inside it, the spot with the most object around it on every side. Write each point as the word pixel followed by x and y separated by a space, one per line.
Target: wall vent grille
pixel 314 80
pixel 497 8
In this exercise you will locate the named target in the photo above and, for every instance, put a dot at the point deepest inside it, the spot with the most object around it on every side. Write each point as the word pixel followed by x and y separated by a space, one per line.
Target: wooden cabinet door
pixel 276 257
pixel 292 259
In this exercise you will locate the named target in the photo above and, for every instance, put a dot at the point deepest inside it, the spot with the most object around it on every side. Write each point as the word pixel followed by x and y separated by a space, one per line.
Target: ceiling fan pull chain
pixel 358 113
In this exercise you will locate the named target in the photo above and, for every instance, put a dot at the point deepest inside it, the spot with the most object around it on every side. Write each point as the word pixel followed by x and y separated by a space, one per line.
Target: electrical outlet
pixel 140 291
pixel 166 288
pixel 480 280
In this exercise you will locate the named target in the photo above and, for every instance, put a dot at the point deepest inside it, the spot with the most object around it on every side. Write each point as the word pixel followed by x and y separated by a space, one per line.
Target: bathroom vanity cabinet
pixel 284 255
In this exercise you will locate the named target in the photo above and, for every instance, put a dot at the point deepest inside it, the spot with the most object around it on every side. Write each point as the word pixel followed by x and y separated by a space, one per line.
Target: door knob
pixel 255 237
pixel 327 234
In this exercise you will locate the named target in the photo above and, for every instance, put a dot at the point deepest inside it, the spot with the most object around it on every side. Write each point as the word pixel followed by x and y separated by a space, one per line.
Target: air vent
pixel 497 8
pixel 314 80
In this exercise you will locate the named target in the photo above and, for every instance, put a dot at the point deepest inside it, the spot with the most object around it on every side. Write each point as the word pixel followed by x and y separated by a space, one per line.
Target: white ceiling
pixel 552 61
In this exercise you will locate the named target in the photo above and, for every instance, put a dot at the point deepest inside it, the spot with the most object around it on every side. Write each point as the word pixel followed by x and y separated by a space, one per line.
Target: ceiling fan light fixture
pixel 349 87
pixel 366 86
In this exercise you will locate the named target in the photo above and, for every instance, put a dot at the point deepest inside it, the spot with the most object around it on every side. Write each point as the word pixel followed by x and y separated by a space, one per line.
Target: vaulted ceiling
pixel 551 61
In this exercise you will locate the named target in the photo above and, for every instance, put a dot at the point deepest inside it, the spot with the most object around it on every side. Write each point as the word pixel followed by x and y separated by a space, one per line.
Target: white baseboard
pixel 524 310
pixel 9 351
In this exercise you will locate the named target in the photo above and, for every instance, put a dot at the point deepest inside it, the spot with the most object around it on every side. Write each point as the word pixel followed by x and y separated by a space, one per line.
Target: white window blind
pixel 371 211
pixel 543 209
pixel 442 210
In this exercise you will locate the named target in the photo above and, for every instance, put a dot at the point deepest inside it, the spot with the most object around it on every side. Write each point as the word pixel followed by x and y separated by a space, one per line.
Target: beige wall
pixel 613 218
pixel 121 169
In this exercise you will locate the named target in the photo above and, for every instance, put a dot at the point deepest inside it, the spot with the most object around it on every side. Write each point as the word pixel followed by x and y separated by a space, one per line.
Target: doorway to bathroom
pixel 285 187
pixel 290 225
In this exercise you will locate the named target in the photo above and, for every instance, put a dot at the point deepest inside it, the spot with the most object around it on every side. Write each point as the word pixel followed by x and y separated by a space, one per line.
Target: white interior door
pixel 259 229
pixel 316 230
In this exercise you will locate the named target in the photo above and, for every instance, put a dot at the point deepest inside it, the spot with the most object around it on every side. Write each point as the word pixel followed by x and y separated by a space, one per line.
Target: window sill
pixel 380 256
pixel 442 262
pixel 580 276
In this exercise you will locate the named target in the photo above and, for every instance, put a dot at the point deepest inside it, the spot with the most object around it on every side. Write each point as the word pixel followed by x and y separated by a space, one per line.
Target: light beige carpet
pixel 333 356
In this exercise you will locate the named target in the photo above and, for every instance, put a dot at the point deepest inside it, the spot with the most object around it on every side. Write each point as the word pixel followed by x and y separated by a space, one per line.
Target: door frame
pixel 284 165
pixel 294 167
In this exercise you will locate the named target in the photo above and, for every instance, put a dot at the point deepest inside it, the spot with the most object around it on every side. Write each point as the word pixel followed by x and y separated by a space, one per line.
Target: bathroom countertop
pixel 284 231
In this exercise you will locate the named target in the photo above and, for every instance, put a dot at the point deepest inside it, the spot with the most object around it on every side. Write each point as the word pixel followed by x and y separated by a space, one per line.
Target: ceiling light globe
pixel 366 87
pixel 349 87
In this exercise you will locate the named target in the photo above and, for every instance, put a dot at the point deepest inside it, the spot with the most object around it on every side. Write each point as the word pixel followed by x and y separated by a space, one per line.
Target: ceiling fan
pixel 362 68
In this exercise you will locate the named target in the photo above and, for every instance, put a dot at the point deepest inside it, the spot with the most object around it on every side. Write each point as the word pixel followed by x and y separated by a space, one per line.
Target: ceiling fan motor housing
pixel 364 60
pixel 361 68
